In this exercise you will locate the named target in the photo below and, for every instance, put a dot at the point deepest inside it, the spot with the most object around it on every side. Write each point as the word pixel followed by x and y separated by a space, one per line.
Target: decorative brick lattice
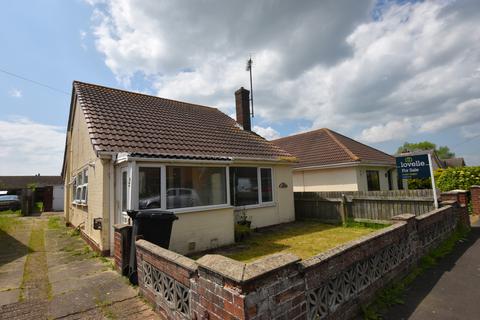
pixel 438 230
pixel 349 283
pixel 174 293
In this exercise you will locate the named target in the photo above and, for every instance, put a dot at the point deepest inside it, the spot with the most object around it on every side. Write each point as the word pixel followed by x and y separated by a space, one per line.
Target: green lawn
pixel 302 238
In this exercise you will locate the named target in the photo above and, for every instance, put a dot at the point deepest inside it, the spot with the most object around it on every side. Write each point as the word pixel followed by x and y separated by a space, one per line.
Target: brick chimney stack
pixel 242 103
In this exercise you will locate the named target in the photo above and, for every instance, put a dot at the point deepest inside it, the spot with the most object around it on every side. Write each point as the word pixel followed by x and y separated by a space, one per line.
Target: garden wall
pixel 330 285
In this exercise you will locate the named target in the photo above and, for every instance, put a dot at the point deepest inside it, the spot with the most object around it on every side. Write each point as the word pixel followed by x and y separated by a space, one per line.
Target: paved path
pixel 451 290
pixel 47 272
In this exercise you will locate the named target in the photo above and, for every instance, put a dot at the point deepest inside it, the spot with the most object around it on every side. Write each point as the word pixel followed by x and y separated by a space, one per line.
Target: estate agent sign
pixel 417 167
pixel 414 167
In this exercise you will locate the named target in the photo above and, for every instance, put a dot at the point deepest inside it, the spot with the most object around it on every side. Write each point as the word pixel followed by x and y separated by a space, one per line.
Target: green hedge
pixel 457 178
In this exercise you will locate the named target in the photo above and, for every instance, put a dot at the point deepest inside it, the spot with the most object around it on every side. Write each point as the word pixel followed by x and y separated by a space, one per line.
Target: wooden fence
pixel 335 207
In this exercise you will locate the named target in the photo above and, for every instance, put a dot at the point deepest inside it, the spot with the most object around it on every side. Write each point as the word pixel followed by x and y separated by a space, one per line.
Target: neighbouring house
pixel 329 161
pixel 127 150
pixel 47 189
pixel 454 162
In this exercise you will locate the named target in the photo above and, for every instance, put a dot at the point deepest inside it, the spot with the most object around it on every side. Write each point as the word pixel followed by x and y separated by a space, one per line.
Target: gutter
pixel 125 157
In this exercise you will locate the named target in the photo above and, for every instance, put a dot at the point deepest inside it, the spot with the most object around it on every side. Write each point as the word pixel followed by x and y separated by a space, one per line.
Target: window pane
pixel 373 180
pixel 149 188
pixel 78 195
pixel 195 186
pixel 79 179
pixel 243 186
pixel 84 194
pixel 267 195
pixel 85 176
pixel 124 191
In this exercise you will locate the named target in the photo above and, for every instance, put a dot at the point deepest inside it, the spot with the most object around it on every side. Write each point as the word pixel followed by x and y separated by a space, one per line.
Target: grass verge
pixel 395 292
pixel 11 212
pixel 8 223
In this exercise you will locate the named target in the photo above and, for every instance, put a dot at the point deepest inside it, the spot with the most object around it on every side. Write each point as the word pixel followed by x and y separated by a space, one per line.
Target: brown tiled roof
pixel 19 182
pixel 325 147
pixel 122 121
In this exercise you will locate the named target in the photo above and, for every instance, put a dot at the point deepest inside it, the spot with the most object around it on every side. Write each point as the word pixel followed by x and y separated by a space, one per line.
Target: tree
pixel 443 152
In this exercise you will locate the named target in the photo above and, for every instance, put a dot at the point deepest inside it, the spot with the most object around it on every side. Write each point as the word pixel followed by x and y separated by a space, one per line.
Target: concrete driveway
pixel 47 272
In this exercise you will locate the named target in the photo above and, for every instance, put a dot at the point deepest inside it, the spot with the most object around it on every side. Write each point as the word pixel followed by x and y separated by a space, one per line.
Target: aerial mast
pixel 249 68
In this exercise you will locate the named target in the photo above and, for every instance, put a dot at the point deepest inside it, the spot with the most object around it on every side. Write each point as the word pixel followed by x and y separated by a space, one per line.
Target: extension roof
pixel 324 148
pixel 139 124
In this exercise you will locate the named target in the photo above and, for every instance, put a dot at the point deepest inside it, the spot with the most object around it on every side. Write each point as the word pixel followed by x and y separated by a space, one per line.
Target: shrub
pixel 458 178
pixel 242 231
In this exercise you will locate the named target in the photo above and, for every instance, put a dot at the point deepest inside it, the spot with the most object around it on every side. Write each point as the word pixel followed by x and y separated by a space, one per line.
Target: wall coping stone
pixel 455 191
pixel 475 187
pixel 244 272
pixel 327 255
pixel 121 226
pixel 431 213
pixel 403 217
pixel 166 254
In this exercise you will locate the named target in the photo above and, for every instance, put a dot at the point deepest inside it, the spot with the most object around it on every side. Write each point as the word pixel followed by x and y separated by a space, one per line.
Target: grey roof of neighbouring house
pixel 19 182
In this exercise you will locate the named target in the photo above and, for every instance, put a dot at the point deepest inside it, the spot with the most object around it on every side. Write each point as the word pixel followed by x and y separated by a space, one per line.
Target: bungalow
pixel 127 150
pixel 329 161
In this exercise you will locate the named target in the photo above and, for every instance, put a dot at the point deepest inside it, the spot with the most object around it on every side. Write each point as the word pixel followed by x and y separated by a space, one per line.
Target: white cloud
pixel 393 130
pixel 349 73
pixel 465 113
pixel 83 36
pixel 268 133
pixel 15 93
pixel 29 147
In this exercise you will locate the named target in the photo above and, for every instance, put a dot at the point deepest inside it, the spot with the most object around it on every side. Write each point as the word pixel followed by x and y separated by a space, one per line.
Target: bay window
pixel 195 187
pixel 149 186
pixel 185 187
pixel 250 186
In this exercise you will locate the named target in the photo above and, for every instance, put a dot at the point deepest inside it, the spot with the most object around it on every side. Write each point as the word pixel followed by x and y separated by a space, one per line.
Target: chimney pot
pixel 242 104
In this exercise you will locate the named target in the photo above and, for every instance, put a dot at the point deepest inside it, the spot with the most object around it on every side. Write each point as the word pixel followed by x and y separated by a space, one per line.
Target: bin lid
pixel 155 214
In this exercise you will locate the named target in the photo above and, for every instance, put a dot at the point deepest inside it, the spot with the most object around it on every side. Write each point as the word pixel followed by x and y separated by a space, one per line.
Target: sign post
pixel 417 167
pixel 435 200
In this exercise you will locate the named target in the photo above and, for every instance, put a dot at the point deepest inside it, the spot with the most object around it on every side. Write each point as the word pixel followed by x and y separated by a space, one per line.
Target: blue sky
pixel 357 72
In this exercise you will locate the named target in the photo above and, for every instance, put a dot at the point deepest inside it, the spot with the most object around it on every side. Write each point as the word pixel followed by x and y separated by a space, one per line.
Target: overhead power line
pixel 34 82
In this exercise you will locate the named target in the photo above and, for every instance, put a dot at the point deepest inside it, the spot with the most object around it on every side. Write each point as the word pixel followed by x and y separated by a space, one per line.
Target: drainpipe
pixel 111 181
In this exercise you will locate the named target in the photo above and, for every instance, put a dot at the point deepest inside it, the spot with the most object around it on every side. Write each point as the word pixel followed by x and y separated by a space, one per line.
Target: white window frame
pixel 260 186
pixel 80 196
pixel 260 203
pixel 163 186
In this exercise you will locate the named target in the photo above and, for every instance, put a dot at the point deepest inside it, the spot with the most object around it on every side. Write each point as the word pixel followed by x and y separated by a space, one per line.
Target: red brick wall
pixel 458 196
pixel 475 195
pixel 333 284
pixel 121 245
